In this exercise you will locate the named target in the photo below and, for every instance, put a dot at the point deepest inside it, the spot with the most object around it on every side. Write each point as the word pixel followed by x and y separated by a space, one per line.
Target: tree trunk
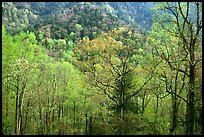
pixel 59 115
pixel 52 120
pixel 157 107
pixel 174 105
pixel 191 93
pixel 17 106
pixel 143 102
pixel 26 113
pixel 6 99
pixel 21 107
pixel 90 125
pixel 174 116
pixel 74 117
pixel 86 131
pixel 191 104
pixel 40 123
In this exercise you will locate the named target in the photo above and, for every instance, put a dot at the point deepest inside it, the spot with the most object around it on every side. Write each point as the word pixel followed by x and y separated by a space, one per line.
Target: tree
pixel 107 63
pixel 23 50
pixel 79 28
pixel 177 23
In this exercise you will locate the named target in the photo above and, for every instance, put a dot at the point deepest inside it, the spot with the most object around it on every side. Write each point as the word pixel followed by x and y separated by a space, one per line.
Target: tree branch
pixel 164 96
pixel 135 93
pixel 169 62
pixel 106 93
pixel 167 90
pixel 197 62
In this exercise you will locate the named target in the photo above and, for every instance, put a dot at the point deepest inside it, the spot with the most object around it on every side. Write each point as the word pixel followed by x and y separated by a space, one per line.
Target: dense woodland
pixel 102 68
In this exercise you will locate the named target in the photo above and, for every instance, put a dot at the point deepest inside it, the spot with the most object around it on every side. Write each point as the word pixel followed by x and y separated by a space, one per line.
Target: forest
pixel 101 68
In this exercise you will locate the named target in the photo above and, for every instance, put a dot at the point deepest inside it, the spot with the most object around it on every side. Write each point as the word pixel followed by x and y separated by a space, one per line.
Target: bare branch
pixel 197 61
pixel 167 90
pixel 174 68
pixel 177 23
pixel 164 96
pixel 170 63
pixel 106 93
pixel 106 85
pixel 135 93
pixel 147 102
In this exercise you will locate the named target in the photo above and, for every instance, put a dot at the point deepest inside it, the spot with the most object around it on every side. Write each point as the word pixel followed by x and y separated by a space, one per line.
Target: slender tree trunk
pixel 41 121
pixel 121 105
pixel 78 123
pixel 7 99
pixel 86 128
pixel 74 117
pixel 62 115
pixel 174 116
pixel 26 113
pixel 143 102
pixel 17 106
pixel 157 107
pixel 21 107
pixel 137 105
pixel 53 103
pixel 52 120
pixel 59 112
pixel 67 115
pixel 48 112
pixel 174 105
pixel 90 126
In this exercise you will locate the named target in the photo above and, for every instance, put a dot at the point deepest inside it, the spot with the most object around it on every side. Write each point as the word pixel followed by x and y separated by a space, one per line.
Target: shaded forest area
pixel 102 68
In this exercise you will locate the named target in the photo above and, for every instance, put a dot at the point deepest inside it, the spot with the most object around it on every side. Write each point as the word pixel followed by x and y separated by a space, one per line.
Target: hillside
pixel 101 68
pixel 25 15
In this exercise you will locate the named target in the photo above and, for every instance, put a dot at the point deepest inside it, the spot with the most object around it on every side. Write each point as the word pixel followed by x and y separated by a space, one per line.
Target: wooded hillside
pixel 102 68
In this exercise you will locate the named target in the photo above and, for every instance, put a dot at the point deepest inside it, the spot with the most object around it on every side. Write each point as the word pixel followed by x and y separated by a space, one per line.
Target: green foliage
pixel 16 19
pixel 89 69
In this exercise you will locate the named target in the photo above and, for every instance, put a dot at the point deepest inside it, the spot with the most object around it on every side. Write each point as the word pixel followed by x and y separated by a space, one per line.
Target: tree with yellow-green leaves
pixel 109 66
